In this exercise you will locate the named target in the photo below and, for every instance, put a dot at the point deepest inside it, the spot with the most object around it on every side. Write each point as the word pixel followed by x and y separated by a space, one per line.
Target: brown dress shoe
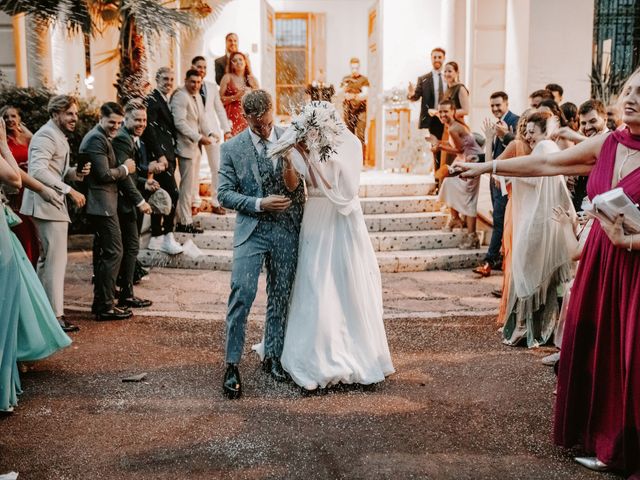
pixel 483 270
pixel 218 210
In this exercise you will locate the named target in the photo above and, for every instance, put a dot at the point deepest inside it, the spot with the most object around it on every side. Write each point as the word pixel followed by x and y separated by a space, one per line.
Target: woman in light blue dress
pixel 29 329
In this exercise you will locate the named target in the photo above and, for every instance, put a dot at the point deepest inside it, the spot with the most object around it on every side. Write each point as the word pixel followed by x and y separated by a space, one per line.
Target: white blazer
pixel 190 120
pixel 48 163
pixel 214 109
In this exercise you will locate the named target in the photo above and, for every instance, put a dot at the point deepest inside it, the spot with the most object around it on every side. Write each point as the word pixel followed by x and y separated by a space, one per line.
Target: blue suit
pixel 259 238
pixel 499 201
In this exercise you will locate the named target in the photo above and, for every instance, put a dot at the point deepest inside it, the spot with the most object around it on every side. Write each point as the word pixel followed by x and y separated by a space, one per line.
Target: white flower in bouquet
pixel 318 125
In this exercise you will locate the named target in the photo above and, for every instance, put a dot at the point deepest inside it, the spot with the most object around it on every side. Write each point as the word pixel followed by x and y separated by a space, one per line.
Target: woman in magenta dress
pixel 18 138
pixel 234 84
pixel 598 401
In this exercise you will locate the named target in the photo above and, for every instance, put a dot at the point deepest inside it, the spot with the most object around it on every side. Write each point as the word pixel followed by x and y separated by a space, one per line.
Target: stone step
pixel 405 261
pixel 377 184
pixel 416 204
pixel 381 241
pixel 400 222
pixel 376 222
pixel 423 260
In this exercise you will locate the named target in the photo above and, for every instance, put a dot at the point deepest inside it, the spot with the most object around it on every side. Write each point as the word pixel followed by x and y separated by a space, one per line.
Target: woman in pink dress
pixel 598 401
pixel 234 84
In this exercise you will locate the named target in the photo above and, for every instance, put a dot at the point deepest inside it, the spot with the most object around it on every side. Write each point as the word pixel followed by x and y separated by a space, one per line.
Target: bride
pixel 335 331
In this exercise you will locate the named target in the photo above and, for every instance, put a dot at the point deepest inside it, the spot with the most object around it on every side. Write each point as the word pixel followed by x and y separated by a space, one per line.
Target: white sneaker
pixel 156 242
pixel 170 245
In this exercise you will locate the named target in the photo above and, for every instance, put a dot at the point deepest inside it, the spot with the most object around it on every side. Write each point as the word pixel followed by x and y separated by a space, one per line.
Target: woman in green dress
pixel 29 329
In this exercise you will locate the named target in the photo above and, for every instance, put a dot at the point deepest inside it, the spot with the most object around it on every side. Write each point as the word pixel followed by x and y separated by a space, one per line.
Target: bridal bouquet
pixel 318 125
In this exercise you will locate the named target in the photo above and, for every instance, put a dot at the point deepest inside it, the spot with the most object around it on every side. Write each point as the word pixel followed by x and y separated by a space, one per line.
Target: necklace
pixel 627 156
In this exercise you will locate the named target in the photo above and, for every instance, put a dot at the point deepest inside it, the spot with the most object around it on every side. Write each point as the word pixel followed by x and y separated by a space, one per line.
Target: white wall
pixel 410 29
pixel 346 31
pixel 560 40
pixel 243 18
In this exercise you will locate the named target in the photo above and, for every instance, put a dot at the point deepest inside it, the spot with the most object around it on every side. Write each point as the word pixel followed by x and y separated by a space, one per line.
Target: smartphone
pixel 83 159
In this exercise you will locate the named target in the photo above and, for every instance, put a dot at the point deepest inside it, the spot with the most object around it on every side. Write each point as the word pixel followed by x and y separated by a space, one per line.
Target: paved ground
pixel 461 405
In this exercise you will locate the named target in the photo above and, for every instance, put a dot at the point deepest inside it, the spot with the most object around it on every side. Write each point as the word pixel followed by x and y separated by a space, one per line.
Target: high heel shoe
pixel 452 223
pixel 592 463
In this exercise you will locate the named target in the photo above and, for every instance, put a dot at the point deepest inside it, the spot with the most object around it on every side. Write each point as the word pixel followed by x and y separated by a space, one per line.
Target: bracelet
pixel 494 167
pixel 630 249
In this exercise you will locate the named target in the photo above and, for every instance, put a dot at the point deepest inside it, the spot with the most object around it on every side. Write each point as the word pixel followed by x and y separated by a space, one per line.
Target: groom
pixel 267 228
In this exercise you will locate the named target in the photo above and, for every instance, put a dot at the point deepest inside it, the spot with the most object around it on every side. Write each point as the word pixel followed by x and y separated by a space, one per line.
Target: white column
pixel 67 61
pixel 516 75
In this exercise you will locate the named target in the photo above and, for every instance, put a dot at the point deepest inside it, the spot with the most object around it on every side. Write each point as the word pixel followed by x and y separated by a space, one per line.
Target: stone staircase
pixel 404 223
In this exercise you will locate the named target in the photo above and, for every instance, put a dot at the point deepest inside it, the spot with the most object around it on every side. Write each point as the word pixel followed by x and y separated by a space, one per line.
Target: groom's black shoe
pixel 232 385
pixel 277 372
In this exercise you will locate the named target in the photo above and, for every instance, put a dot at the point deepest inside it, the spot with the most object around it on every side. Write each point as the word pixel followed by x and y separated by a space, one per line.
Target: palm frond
pixel 153 19
pixel 206 11
pixel 72 14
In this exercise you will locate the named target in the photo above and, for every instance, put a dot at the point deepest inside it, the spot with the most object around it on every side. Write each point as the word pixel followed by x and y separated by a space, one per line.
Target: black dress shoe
pixel 66 326
pixel 191 228
pixel 134 302
pixel 232 385
pixel 277 372
pixel 139 273
pixel 114 313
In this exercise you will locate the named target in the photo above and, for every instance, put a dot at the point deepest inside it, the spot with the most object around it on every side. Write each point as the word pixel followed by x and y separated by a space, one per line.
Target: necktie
pixel 203 94
pixel 438 87
pixel 264 146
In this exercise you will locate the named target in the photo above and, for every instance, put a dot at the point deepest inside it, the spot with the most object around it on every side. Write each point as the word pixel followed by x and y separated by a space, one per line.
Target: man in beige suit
pixel 49 163
pixel 194 132
pixel 217 118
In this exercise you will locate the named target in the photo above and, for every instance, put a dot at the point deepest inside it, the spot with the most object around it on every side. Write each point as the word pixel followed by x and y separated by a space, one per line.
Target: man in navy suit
pixel 506 126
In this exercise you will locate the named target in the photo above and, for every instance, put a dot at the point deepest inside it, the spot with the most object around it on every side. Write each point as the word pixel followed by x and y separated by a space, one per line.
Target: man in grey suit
pixel 194 131
pixel 49 163
pixel 102 209
pixel 217 118
pixel 266 232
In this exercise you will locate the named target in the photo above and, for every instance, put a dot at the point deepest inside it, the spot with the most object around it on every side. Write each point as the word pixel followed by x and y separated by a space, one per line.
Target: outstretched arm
pixel 577 160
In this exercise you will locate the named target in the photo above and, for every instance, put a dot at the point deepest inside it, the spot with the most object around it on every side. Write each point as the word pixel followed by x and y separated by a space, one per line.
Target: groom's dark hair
pixel 256 103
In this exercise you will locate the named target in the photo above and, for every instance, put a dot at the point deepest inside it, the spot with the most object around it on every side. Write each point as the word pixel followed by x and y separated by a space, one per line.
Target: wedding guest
pixel 102 209
pixel 429 89
pixel 49 164
pixel 29 330
pixel 536 97
pixel 193 130
pixel 18 138
pixel 550 106
pixel 131 204
pixel 217 117
pixel 234 85
pixel 231 46
pixel 614 117
pixel 461 196
pixel 160 140
pixel 570 112
pixel 517 148
pixel 556 90
pixel 456 91
pixel 598 399
pixel 355 87
pixel 503 131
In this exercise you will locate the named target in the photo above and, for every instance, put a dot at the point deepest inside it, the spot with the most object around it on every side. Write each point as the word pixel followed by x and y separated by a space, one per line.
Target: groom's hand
pixel 275 203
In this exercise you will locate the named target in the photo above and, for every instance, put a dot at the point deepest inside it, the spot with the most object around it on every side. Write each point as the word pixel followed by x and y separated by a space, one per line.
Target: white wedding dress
pixel 335 331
